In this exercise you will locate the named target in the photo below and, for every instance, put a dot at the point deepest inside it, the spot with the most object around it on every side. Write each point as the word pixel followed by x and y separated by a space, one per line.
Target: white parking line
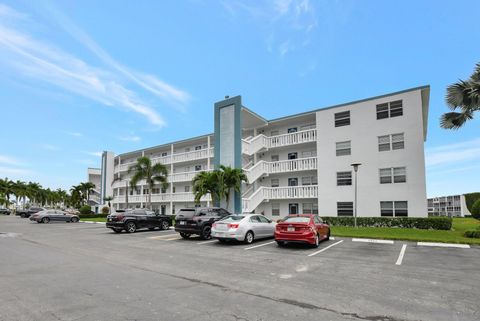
pixel 205 242
pixel 164 237
pixel 462 246
pixel 255 246
pixel 400 256
pixel 373 241
pixel 324 249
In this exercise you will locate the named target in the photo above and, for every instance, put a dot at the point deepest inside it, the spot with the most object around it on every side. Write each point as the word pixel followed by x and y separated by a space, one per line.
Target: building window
pixel 310 208
pixel 293 181
pixel 292 130
pixel 342 119
pixel 173 209
pixel 306 180
pixel 198 168
pixel 187 189
pixel 391 142
pixel 173 189
pixel 293 155
pixel 164 190
pixel 390 109
pixel 343 148
pixel 275 182
pixel 274 158
pixel 145 191
pixel 275 209
pixel 198 147
pixel 394 208
pixel 395 175
pixel 344 208
pixel 344 178
pixel 309 153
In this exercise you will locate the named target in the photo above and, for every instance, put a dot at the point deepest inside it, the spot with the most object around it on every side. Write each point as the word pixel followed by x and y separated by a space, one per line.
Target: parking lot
pixel 84 271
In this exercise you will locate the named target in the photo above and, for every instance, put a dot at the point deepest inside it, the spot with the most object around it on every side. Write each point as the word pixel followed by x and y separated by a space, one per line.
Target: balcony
pixel 175 158
pixel 259 142
pixel 160 198
pixel 292 165
pixel 280 193
pixel 172 178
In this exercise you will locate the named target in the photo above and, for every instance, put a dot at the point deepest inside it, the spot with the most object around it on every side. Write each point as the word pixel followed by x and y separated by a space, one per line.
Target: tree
pixel 152 174
pixel 7 188
pixel 476 209
pixel 232 180
pixel 87 188
pixel 464 95
pixel 108 199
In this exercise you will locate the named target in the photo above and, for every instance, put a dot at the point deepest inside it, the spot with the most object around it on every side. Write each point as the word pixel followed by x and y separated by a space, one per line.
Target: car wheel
pixel 206 233
pixel 185 235
pixel 117 230
pixel 281 243
pixel 74 220
pixel 165 225
pixel 249 237
pixel 22 215
pixel 45 220
pixel 131 227
pixel 317 241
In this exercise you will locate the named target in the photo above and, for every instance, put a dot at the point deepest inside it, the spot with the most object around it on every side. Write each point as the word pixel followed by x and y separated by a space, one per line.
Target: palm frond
pixel 454 120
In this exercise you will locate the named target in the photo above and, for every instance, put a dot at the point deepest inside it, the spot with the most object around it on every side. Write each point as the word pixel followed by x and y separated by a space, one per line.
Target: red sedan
pixel 302 228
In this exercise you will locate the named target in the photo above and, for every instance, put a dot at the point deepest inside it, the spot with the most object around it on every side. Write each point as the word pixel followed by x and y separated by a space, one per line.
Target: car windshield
pixel 233 218
pixel 297 219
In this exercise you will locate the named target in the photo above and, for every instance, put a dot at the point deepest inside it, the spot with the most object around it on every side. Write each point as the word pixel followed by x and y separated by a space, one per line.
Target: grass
pixel 95 219
pixel 460 225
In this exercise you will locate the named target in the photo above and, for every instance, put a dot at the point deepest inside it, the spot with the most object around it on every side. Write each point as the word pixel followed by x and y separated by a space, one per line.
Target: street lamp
pixel 355 168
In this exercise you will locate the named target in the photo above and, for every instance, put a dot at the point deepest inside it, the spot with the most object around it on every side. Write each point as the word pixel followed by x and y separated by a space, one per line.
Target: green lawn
pixel 95 219
pixel 460 225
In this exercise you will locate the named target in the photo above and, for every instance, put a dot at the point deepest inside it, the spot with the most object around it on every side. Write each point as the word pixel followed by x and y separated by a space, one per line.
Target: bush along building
pixel 296 164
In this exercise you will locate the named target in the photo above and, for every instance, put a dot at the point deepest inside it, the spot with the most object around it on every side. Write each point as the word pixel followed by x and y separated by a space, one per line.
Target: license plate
pixel 222 227
pixel 182 222
pixel 290 229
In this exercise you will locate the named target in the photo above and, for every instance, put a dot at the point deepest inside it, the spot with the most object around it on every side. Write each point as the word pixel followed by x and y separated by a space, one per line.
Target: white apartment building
pixel 299 163
pixel 453 205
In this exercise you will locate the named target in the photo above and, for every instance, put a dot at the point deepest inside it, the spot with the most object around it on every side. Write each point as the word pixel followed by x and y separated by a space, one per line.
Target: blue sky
pixel 80 77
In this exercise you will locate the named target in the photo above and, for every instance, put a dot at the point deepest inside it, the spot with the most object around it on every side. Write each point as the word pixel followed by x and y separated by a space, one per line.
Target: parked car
pixel 27 212
pixel 132 220
pixel 4 211
pixel 302 228
pixel 48 216
pixel 243 227
pixel 198 221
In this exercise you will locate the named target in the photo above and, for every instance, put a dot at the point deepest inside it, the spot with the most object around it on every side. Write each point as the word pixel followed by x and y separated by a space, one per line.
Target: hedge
pixel 92 215
pixel 473 234
pixel 424 223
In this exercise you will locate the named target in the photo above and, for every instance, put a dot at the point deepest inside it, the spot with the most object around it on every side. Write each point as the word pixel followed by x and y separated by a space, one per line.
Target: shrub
pixel 470 199
pixel 85 209
pixel 473 233
pixel 475 211
pixel 92 215
pixel 105 210
pixel 424 223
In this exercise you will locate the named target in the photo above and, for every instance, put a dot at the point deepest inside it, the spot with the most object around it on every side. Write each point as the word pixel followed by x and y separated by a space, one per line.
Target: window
pixel 395 175
pixel 163 209
pixel 275 209
pixel 293 181
pixel 309 153
pixel 164 190
pixel 292 130
pixel 198 147
pixel 390 109
pixel 344 208
pixel 394 208
pixel 173 189
pixel 343 148
pixel 342 119
pixel 275 158
pixel 173 209
pixel 275 182
pixel 306 180
pixel 344 178
pixel 187 189
pixel 145 191
pixel 198 168
pixel 391 142
pixel 293 155
pixel 164 154
pixel 310 208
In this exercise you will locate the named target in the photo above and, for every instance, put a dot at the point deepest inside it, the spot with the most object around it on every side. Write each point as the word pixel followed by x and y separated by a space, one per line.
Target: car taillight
pixel 214 225
pixel 232 226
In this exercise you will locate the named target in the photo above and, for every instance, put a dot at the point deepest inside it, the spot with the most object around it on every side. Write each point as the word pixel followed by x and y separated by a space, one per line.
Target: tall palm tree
pixel 144 169
pixel 205 183
pixel 7 188
pixel 87 188
pixel 76 196
pixel 464 95
pixel 232 180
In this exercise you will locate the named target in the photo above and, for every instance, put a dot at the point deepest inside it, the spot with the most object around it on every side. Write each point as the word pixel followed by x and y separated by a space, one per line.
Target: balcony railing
pixel 259 142
pixel 175 158
pixel 160 198
pixel 269 193
pixel 292 165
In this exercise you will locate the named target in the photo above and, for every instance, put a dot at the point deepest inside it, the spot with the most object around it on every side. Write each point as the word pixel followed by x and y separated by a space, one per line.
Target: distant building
pixel 450 206
pixel 94 176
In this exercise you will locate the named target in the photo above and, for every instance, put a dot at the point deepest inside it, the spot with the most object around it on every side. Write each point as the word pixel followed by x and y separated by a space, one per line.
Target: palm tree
pixel 205 183
pixel 76 195
pixel 87 188
pixel 464 95
pixel 144 169
pixel 232 179
pixel 108 199
pixel 7 187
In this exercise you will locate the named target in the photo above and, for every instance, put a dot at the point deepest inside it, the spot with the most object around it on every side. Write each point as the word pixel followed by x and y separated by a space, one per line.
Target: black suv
pixel 28 212
pixel 132 220
pixel 198 221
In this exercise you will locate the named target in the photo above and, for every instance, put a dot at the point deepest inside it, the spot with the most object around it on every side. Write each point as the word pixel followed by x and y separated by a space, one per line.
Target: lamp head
pixel 355 166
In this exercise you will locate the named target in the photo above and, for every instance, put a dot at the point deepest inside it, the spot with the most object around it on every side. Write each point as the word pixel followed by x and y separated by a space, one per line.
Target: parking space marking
pixel 401 255
pixel 332 238
pixel 163 237
pixel 462 246
pixel 324 249
pixel 205 242
pixel 259 245
pixel 373 241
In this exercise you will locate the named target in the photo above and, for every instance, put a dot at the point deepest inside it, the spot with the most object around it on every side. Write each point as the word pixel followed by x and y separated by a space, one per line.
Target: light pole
pixel 355 168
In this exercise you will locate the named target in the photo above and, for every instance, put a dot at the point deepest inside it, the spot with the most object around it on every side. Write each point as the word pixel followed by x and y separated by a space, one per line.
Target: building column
pixel 171 184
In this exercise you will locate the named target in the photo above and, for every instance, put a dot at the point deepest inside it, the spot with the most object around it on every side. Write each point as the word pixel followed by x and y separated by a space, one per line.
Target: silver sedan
pixel 48 216
pixel 243 227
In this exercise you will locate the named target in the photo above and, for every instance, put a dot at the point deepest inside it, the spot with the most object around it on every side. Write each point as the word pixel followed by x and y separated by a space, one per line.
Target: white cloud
pixel 45 62
pixel 453 154
pixel 96 154
pixel 8 160
pixel 132 138
pixel 13 171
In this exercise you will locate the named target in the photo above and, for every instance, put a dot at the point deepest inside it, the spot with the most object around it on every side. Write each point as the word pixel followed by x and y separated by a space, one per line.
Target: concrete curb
pixel 92 222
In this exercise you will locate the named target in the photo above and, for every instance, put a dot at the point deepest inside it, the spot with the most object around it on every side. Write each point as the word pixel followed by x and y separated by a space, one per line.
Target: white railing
pixel 175 158
pixel 269 193
pixel 265 168
pixel 172 178
pixel 259 142
pixel 163 197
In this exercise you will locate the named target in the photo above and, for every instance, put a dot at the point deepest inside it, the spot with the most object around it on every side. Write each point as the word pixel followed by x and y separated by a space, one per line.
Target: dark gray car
pixel 48 216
